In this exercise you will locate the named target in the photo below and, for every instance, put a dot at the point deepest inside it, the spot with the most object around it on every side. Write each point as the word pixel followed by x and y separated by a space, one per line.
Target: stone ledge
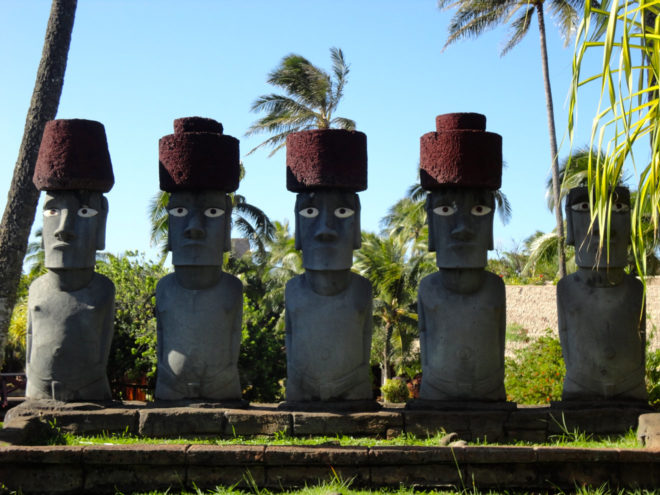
pixel 29 426
pixel 105 469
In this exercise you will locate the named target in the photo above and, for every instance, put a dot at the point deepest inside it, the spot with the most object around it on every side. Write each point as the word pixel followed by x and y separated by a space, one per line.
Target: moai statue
pixel 71 308
pixel 198 307
pixel 600 308
pixel 328 308
pixel 462 306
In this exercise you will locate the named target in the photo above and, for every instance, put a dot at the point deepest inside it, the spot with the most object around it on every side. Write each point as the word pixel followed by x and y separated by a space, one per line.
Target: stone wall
pixel 534 307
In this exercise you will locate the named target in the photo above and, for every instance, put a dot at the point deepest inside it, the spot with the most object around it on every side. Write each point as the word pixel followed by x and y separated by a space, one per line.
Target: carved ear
pixel 100 226
pixel 570 238
pixel 357 231
pixel 228 210
pixel 429 222
pixel 296 237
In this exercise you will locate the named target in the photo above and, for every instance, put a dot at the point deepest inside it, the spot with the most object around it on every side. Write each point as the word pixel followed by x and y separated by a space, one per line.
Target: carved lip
pixel 61 245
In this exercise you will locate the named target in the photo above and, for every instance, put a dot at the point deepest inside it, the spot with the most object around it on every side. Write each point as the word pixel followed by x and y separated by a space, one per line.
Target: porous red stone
pixel 73 155
pixel 198 156
pixel 461 153
pixel 326 158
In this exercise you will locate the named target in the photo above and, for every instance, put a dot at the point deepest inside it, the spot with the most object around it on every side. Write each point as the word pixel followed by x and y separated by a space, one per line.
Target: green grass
pixel 565 439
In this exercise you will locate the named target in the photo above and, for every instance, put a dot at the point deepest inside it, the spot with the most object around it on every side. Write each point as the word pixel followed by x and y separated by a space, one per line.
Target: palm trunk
pixel 389 330
pixel 23 196
pixel 553 142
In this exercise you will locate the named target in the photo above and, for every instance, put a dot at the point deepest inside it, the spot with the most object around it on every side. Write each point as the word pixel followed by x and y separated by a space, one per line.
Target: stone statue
pixel 198 307
pixel 461 307
pixel 71 308
pixel 600 308
pixel 328 308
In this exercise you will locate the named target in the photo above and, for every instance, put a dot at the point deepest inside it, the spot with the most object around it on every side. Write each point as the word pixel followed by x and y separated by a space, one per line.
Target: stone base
pixel 35 407
pixel 600 404
pixel 450 405
pixel 330 406
pixel 201 403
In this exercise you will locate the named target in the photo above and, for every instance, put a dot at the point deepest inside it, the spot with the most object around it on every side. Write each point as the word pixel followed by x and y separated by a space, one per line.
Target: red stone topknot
pixel 461 153
pixel 326 158
pixel 73 156
pixel 198 156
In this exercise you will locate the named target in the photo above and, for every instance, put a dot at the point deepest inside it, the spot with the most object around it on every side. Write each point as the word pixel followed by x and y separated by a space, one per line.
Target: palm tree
pixel 395 276
pixel 573 172
pixel 624 35
pixel 312 97
pixel 22 199
pixel 474 17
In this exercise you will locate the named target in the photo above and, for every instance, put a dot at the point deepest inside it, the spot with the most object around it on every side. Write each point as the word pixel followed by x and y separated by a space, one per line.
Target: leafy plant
pixel 536 372
pixel 395 390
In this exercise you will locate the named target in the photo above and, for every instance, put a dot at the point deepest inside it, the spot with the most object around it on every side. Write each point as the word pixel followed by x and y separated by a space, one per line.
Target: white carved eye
pixel 51 212
pixel 343 212
pixel 87 212
pixel 309 212
pixel 581 206
pixel 444 210
pixel 480 210
pixel 179 211
pixel 620 207
pixel 214 212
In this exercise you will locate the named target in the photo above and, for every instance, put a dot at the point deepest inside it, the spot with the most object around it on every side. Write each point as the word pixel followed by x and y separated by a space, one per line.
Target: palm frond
pixel 343 123
pixel 519 29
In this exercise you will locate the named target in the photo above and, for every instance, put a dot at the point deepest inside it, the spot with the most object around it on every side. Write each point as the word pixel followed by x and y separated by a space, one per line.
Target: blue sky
pixel 136 65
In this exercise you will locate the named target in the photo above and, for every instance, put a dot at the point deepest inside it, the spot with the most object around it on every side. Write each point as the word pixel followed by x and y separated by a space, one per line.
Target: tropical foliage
pixel 311 99
pixel 474 17
pixel 624 37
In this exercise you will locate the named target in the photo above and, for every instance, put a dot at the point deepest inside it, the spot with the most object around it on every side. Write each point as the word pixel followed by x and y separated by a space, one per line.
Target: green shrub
pixel 536 373
pixel 653 376
pixel 395 390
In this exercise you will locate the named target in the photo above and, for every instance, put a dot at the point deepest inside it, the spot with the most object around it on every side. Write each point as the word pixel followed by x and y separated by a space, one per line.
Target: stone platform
pixel 535 424
pixel 108 468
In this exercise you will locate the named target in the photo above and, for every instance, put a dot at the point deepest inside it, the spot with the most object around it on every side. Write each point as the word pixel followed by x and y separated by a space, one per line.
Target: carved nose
pixel 195 228
pixel 326 231
pixel 462 231
pixel 65 231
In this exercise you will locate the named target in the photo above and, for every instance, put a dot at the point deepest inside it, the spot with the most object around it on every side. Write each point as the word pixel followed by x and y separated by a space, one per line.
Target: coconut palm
pixel 395 276
pixel 573 172
pixel 22 198
pixel 311 99
pixel 474 17
pixel 624 36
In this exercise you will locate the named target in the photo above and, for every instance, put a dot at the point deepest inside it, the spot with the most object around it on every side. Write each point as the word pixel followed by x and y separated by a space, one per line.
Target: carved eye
pixel 87 212
pixel 179 211
pixel 480 210
pixel 309 212
pixel 343 212
pixel 581 206
pixel 214 212
pixel 444 210
pixel 51 212
pixel 619 207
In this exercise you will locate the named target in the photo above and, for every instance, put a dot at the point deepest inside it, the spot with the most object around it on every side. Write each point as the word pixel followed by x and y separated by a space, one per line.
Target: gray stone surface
pixel 461 308
pixel 70 308
pixel 328 308
pixel 648 430
pixel 600 310
pixel 198 307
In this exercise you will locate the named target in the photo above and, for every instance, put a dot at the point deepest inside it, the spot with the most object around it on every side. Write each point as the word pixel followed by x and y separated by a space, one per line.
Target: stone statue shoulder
pixel 100 285
pixel 229 286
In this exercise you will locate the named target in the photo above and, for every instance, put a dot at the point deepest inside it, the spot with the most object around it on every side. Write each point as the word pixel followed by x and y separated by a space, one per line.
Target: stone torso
pixel 69 337
pixel 602 337
pixel 328 341
pixel 199 334
pixel 462 340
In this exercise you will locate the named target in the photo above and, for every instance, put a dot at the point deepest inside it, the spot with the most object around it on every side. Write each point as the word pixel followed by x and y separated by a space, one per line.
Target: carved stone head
pixel 74 169
pixel 199 165
pixel 461 167
pixel 460 226
pixel 326 168
pixel 585 235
